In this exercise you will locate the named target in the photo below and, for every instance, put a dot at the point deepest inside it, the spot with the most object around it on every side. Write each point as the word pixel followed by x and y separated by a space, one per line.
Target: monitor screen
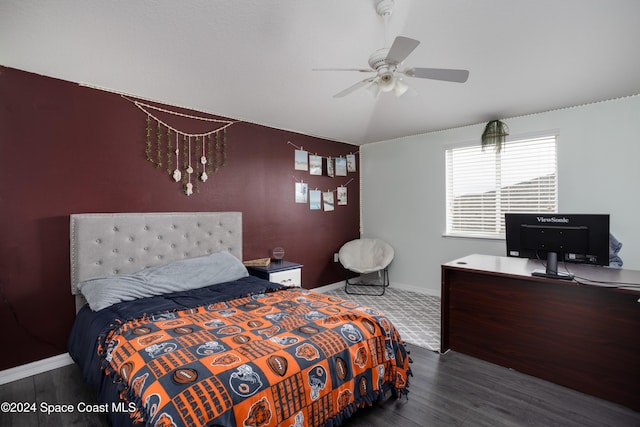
pixel 582 238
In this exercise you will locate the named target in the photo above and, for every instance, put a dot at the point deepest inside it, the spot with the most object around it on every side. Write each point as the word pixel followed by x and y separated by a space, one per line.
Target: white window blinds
pixel 483 185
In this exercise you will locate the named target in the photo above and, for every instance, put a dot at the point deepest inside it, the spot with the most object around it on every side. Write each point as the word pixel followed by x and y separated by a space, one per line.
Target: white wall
pixel 403 185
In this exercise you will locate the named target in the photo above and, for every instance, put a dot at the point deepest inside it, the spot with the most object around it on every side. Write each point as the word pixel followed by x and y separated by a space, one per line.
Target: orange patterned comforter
pixel 291 357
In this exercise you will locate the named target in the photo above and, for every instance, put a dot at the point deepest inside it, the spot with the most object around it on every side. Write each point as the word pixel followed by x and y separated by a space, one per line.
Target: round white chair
pixel 366 256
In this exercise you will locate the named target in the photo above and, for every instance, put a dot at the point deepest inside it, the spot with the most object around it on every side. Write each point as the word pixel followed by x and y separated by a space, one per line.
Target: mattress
pixel 242 353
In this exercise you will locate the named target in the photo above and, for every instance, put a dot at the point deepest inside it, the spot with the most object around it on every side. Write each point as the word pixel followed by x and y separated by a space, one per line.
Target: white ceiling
pixel 252 60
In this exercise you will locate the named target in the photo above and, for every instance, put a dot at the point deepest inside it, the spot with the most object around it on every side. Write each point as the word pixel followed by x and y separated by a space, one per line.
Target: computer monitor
pixel 582 238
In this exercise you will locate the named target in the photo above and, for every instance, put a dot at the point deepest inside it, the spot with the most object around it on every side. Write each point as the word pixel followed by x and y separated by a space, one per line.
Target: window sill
pixel 473 236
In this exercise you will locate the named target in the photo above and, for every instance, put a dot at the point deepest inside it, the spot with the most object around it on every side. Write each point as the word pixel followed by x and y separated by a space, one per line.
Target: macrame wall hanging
pixel 189 158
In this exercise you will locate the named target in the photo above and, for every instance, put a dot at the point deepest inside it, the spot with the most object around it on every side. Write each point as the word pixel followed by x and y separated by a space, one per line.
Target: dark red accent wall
pixel 69 149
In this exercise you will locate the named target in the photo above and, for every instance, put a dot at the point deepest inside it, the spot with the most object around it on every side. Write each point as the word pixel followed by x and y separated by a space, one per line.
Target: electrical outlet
pixel 335 257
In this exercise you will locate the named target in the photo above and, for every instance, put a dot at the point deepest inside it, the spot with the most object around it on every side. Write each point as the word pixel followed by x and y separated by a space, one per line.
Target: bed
pixel 171 330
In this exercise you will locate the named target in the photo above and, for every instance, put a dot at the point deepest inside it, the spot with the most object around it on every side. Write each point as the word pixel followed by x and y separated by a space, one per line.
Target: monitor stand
pixel 552 269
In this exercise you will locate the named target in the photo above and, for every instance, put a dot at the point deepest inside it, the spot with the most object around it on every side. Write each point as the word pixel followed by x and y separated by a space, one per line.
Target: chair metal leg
pixel 384 283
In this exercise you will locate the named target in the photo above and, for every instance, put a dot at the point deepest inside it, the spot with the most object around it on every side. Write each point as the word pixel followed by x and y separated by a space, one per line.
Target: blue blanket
pixel 89 327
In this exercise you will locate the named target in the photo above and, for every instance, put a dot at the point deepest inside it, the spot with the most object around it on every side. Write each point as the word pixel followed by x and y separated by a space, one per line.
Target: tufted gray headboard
pixel 120 243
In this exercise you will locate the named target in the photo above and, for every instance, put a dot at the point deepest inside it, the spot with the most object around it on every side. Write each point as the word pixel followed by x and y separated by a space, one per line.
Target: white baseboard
pixel 418 289
pixel 411 288
pixel 330 287
pixel 34 368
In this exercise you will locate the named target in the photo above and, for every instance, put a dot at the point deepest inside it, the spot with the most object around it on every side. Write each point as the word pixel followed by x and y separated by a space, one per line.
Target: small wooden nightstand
pixel 284 273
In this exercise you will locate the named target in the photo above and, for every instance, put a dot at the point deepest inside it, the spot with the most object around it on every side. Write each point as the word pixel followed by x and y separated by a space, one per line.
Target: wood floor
pixel 446 390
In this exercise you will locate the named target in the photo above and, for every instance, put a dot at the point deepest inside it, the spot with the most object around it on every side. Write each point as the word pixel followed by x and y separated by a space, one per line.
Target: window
pixel 483 185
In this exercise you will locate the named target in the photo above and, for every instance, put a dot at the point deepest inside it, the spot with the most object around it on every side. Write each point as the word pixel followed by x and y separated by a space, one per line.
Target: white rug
pixel 415 315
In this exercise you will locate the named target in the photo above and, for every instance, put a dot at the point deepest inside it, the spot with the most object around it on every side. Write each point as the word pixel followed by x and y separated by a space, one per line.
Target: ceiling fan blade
pixel 400 49
pixel 449 75
pixel 362 70
pixel 355 87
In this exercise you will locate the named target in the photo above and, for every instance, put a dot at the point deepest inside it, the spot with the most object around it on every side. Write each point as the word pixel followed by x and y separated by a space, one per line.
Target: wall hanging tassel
pixel 189 187
pixel 203 161
pixel 159 145
pixel 177 175
pixel 169 153
pixel 224 147
pixel 147 151
pixel 217 153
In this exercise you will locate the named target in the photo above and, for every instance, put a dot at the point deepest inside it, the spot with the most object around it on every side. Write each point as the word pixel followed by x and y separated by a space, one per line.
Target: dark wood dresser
pixel 585 337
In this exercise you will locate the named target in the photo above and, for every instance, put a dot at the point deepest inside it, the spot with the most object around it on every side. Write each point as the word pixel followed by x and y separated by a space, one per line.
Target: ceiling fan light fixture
pixel 400 87
pixel 387 81
pixel 374 89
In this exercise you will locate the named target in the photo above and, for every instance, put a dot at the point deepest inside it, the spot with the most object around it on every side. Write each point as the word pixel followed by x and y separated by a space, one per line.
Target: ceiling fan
pixel 386 62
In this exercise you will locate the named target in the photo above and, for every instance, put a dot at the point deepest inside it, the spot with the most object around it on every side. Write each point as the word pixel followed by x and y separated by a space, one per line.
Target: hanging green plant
pixel 495 134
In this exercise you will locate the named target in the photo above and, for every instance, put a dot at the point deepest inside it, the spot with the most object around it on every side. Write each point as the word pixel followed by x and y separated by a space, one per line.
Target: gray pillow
pixel 181 275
